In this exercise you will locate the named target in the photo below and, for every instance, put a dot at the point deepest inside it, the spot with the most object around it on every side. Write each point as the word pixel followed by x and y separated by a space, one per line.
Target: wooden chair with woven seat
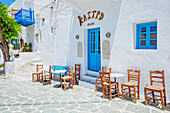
pixel 69 77
pixel 133 75
pixel 107 84
pixel 99 79
pixel 159 78
pixel 77 73
pixel 37 73
pixel 45 76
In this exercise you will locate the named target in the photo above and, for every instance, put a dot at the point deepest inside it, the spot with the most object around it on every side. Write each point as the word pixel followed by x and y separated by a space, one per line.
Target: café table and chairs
pixel 107 85
pixel 98 80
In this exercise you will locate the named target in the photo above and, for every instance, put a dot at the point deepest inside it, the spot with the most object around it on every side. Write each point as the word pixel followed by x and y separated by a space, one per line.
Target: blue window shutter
pixel 146 30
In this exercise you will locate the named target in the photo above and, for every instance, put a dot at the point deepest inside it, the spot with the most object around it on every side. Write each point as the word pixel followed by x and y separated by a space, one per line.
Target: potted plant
pixel 16 55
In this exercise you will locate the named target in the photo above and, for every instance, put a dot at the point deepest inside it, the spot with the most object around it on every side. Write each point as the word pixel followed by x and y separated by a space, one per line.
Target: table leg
pixel 115 85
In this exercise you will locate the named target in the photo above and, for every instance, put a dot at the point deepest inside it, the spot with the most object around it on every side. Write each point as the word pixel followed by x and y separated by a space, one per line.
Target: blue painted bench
pixel 55 67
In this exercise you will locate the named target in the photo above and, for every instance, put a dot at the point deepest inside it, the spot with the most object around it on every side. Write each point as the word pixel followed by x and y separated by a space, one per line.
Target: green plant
pixel 18 46
pixel 51 7
pixel 16 55
pixel 9 29
pixel 27 48
pixel 36 34
pixel 3 65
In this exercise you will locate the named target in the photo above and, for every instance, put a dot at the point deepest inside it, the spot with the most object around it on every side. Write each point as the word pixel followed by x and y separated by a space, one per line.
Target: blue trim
pixel 147 31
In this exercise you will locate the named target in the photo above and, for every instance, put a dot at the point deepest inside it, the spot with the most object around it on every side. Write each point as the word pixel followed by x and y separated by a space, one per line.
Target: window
pixel 146 35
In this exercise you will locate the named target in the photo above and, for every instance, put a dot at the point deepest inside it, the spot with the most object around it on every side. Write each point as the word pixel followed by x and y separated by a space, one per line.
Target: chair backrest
pixel 70 72
pixel 77 68
pixel 106 69
pixel 38 67
pixel 134 75
pixel 105 77
pixel 157 77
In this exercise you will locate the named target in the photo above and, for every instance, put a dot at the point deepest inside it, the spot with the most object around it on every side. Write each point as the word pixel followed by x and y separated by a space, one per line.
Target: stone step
pixel 90 78
pixel 24 74
pixel 28 66
pixel 17 77
pixel 23 69
pixel 86 84
pixel 35 62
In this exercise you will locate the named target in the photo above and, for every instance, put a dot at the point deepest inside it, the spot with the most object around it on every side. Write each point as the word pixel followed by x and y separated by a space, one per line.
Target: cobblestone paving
pixel 25 96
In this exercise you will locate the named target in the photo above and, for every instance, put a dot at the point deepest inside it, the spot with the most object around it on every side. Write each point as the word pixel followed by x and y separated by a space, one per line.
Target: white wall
pixel 119 20
pixel 54 46
pixel 108 24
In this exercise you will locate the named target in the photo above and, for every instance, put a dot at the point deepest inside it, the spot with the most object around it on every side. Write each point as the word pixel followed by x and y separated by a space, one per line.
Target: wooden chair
pixel 77 73
pixel 99 79
pixel 107 84
pixel 133 75
pixel 38 72
pixel 70 77
pixel 45 76
pixel 154 76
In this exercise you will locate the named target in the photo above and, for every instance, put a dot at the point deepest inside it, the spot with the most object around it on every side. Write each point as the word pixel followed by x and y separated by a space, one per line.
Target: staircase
pixel 88 80
pixel 24 72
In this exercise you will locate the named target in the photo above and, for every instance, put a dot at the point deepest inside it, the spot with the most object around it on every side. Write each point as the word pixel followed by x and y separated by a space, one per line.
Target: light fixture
pixel 108 35
pixel 77 37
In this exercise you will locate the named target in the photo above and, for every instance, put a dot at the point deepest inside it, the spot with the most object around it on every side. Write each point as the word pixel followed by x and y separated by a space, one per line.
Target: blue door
pixel 94 53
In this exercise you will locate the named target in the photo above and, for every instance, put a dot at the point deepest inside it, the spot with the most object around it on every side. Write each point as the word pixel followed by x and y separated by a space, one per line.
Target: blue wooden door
pixel 94 50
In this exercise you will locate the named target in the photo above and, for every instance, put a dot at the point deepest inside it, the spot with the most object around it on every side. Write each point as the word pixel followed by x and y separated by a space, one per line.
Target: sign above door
pixel 91 15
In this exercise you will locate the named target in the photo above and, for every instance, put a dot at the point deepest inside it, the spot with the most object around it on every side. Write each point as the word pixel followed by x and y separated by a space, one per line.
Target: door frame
pixel 86 49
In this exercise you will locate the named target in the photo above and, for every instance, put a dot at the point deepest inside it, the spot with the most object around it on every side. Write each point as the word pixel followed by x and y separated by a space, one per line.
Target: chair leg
pixel 134 93
pixel 96 86
pixel 129 92
pixel 43 80
pixel 118 89
pixel 153 96
pixel 146 101
pixel 164 97
pixel 122 92
pixel 74 80
pixel 61 84
pixel 103 90
pixel 110 92
pixel 72 83
pixel 163 107
pixel 64 85
pixel 138 93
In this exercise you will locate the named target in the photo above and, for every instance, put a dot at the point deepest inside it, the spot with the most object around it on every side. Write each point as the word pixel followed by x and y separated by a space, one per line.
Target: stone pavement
pixel 25 96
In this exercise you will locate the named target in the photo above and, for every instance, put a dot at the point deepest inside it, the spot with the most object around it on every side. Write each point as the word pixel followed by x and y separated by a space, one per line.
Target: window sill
pixel 145 49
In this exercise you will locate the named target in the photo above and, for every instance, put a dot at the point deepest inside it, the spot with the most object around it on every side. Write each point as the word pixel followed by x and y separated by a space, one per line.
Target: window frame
pixel 147 32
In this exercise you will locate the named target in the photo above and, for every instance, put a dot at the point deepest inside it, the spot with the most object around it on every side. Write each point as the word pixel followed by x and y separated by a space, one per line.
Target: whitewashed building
pixel 121 34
